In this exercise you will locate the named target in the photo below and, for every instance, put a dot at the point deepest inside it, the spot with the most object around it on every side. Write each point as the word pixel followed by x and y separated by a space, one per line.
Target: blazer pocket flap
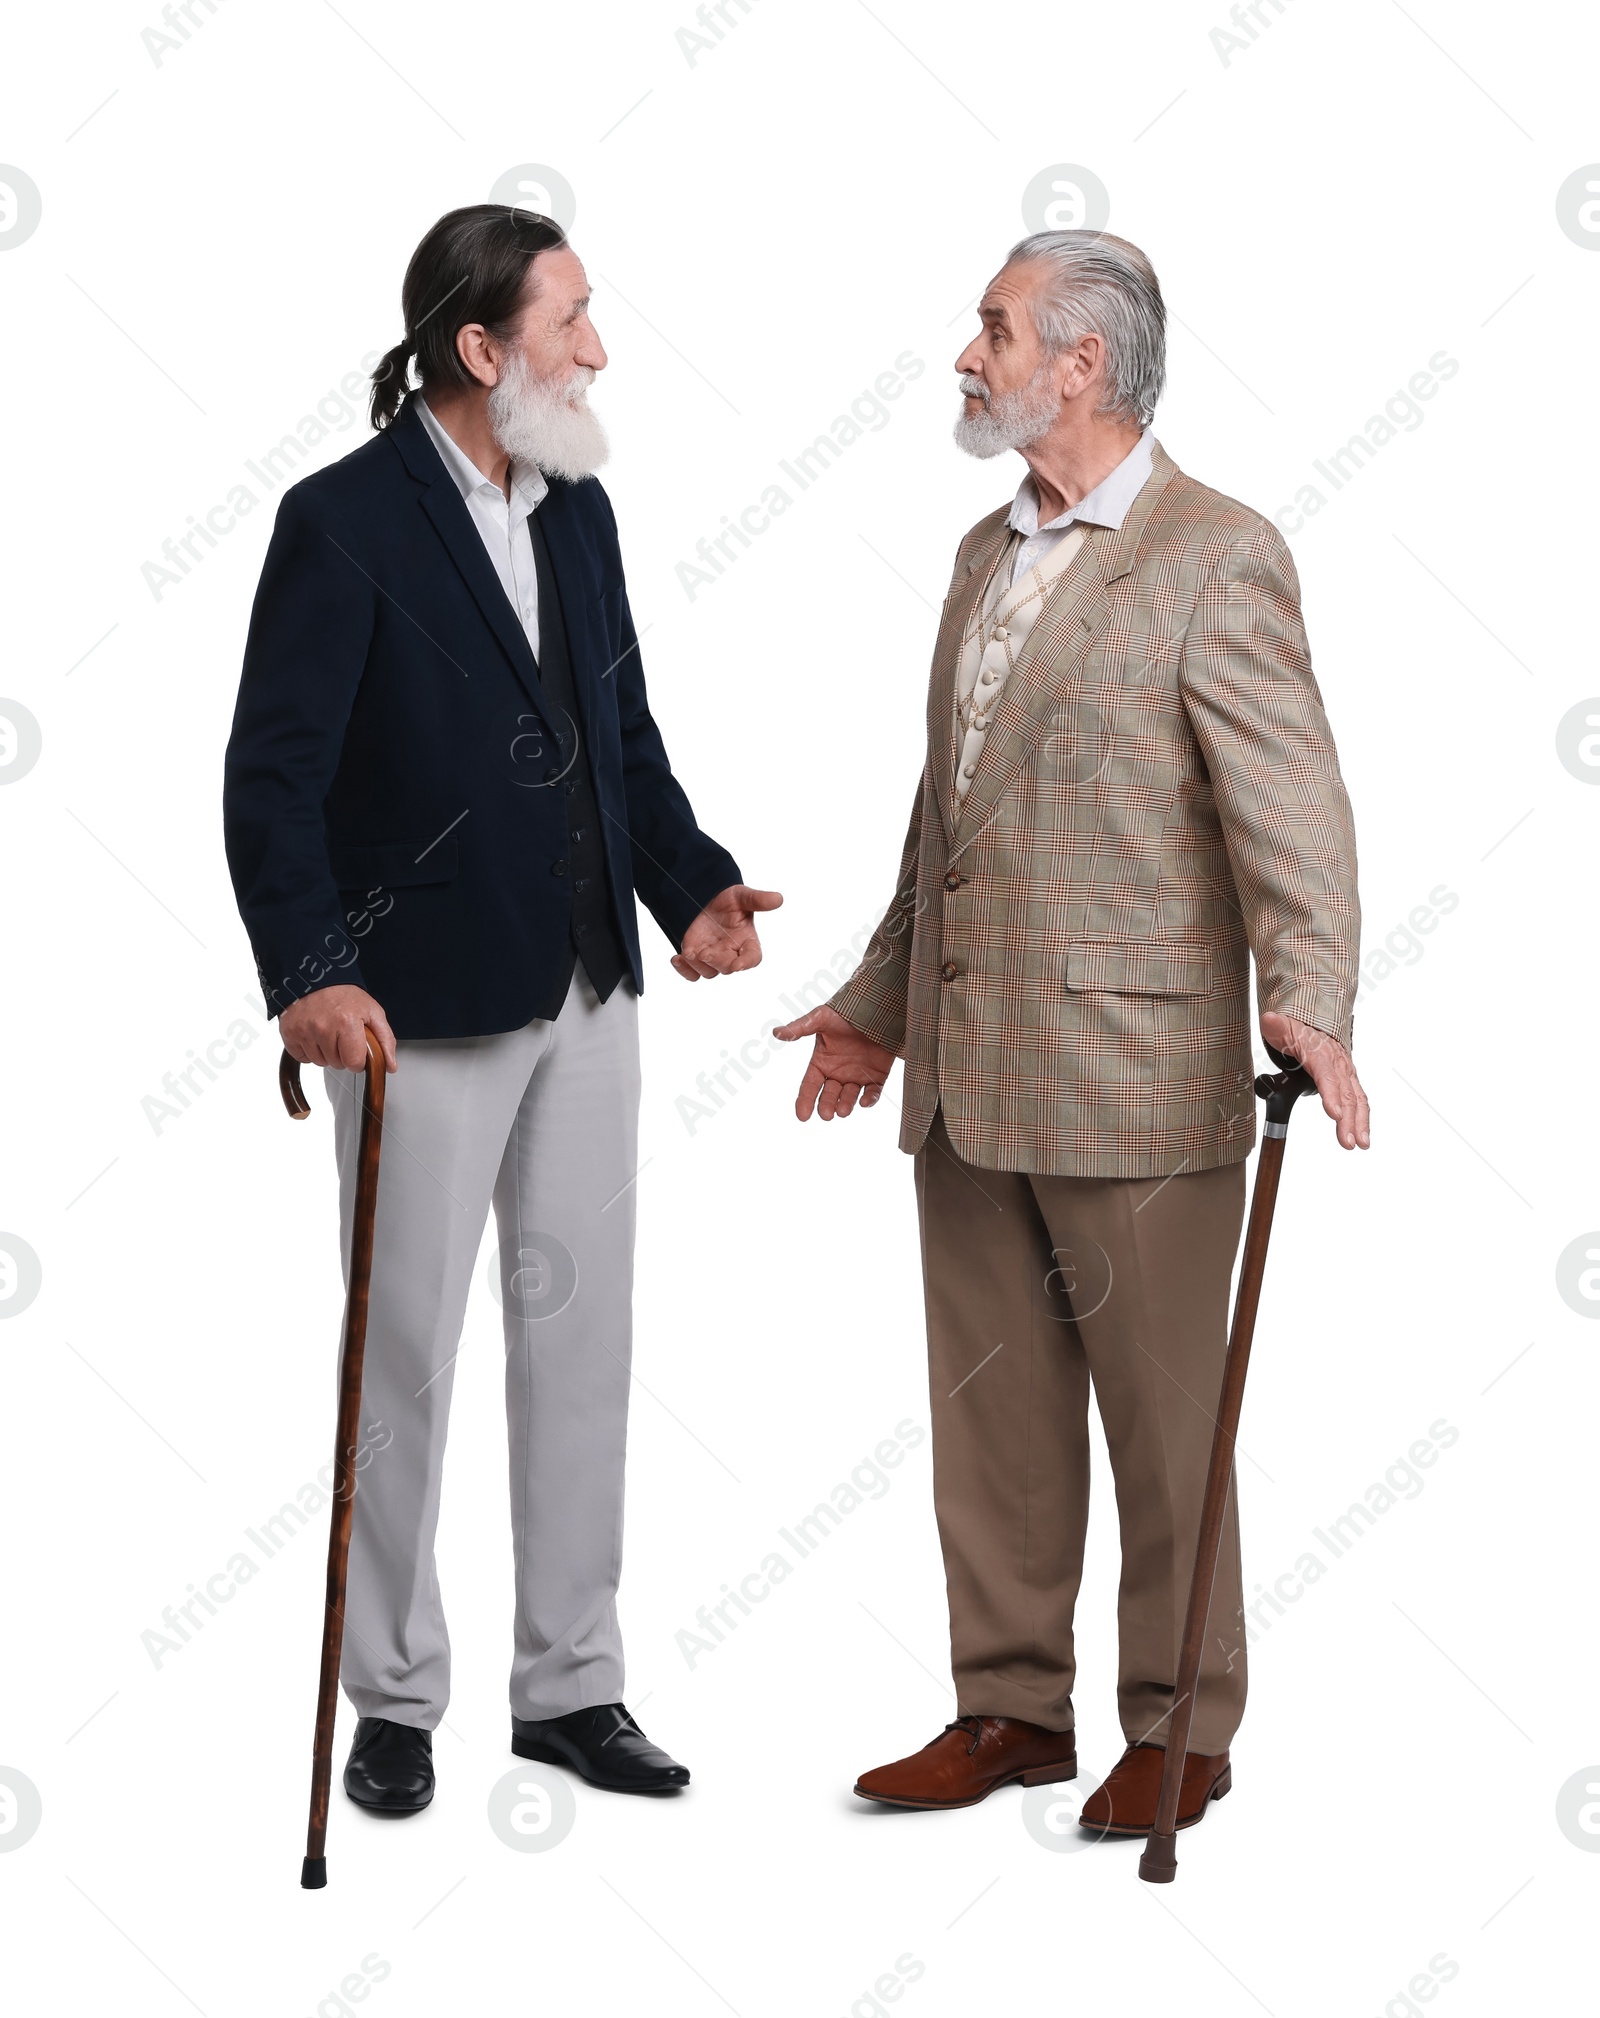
pixel 394 865
pixel 1148 967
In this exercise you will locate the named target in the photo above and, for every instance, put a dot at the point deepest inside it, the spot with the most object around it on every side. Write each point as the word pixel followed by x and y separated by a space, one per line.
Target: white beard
pixel 546 422
pixel 1007 419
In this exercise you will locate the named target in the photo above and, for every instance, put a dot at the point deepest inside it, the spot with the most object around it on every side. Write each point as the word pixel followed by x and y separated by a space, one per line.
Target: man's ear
pixel 1092 351
pixel 473 347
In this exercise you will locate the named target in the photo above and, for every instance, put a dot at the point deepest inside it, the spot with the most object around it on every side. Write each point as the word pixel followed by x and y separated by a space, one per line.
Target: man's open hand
pixel 846 1065
pixel 1329 1064
pixel 722 940
pixel 329 1027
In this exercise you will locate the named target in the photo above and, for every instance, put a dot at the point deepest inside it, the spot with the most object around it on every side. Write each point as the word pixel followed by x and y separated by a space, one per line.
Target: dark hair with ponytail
pixel 471 267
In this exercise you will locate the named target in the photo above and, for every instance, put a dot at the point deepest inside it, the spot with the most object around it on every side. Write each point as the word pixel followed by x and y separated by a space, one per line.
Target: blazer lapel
pixel 1074 615
pixel 572 562
pixel 447 509
pixel 989 542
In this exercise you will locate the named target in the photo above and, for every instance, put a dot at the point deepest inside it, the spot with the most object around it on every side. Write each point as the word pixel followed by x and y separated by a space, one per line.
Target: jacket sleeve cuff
pixel 1332 1016
pixel 284 977
pixel 675 905
pixel 881 1018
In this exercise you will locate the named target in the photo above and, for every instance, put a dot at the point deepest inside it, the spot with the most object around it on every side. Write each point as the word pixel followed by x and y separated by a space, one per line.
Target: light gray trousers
pixel 543 1123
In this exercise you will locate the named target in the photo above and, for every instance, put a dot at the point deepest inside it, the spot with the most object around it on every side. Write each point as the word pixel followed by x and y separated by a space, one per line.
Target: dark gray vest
pixel 593 936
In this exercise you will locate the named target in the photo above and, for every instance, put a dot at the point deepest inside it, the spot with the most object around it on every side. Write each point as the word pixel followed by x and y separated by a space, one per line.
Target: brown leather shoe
pixel 1124 1804
pixel 968 1760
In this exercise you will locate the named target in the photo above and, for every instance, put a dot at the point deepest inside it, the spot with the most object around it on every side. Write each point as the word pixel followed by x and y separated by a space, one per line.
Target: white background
pixel 222 239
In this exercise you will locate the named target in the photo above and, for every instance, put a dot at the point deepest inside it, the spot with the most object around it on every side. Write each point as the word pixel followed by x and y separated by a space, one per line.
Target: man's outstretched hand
pixel 329 1027
pixel 846 1065
pixel 722 940
pixel 1329 1064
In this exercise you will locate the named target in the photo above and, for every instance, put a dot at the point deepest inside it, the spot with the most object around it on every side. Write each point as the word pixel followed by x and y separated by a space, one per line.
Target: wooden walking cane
pixel 1280 1090
pixel 314 1870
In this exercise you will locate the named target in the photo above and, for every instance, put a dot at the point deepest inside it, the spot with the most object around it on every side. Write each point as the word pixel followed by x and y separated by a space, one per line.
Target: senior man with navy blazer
pixel 443 788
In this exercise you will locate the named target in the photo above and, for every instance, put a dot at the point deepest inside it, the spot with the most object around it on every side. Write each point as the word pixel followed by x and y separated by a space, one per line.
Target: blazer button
pixel 949 970
pixel 558 868
pixel 952 881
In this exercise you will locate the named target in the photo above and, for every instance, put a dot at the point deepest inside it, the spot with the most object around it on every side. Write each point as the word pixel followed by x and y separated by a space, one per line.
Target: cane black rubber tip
pixel 313 1874
pixel 1159 1864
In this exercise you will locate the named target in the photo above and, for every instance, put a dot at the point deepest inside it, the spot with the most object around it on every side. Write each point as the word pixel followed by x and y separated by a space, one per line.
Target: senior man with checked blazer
pixel 1131 788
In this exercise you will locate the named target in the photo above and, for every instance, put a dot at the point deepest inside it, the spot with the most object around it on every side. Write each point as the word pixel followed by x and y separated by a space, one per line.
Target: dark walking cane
pixel 314 1871
pixel 1280 1090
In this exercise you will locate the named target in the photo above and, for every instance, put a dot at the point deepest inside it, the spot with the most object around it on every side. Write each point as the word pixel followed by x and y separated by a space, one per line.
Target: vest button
pixel 949 970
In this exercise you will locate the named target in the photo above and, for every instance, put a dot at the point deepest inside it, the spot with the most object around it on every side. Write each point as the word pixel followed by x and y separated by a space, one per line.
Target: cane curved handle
pixel 1281 1089
pixel 289 1086
pixel 294 1094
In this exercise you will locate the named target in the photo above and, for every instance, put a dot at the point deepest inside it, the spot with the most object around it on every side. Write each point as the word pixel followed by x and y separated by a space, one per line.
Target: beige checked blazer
pixel 1065 963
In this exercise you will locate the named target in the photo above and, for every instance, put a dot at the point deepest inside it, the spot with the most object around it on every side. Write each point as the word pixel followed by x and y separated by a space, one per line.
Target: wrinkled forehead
pixel 1008 299
pixel 558 273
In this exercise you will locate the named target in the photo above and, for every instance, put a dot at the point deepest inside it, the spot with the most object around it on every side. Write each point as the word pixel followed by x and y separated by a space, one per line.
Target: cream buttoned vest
pixel 994 640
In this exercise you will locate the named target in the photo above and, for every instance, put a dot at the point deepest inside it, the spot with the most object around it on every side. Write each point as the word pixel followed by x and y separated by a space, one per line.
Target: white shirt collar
pixel 528 485
pixel 1106 505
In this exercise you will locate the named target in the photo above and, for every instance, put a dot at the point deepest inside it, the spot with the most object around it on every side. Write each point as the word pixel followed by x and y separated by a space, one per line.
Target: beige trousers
pixel 1037 1287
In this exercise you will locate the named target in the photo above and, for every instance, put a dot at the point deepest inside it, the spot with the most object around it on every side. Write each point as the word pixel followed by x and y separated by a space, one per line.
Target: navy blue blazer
pixel 393 802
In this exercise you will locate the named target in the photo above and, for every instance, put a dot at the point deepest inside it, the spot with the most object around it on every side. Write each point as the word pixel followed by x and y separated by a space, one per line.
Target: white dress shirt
pixel 1106 505
pixel 502 522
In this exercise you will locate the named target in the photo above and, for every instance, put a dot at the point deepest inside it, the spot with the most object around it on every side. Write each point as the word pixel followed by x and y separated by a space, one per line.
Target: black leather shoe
pixel 603 1746
pixel 390 1767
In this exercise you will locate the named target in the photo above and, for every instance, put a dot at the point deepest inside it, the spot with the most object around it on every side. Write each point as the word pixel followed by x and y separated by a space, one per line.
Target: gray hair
pixel 1103 284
